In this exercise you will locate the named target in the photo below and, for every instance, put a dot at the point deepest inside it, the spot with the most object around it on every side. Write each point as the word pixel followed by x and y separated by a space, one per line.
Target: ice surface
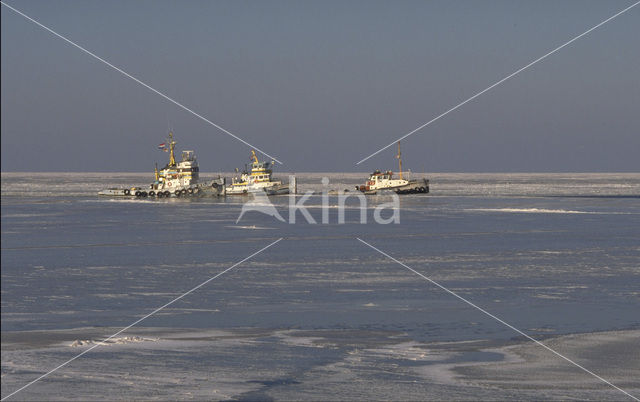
pixel 111 341
pixel 319 315
pixel 258 364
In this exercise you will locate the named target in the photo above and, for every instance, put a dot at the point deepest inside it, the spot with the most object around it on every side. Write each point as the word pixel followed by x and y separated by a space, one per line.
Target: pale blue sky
pixel 322 84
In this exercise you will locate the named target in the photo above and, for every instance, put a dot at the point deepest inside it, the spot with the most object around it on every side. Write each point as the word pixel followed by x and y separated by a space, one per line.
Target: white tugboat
pixel 384 181
pixel 257 180
pixel 175 179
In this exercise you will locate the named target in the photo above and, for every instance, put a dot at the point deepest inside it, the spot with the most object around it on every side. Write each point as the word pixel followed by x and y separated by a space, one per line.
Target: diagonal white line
pixel 497 319
pixel 501 81
pixel 138 81
pixel 141 319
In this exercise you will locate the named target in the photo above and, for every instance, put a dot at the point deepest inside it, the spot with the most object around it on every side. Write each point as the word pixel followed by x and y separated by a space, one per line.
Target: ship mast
pixel 399 156
pixel 172 145
pixel 254 158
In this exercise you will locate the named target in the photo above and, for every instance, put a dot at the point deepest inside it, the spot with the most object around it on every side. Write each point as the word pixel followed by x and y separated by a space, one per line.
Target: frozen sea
pixel 320 315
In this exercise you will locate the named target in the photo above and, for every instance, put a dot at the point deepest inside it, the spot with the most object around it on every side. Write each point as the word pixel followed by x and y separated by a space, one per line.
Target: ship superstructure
pixel 175 179
pixel 181 175
pixel 257 177
pixel 379 181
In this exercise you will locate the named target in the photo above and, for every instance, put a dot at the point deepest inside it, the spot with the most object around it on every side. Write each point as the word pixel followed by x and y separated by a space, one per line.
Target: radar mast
pixel 172 146
pixel 399 156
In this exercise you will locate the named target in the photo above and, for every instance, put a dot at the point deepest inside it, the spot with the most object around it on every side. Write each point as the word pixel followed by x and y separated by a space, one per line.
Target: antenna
pixel 169 128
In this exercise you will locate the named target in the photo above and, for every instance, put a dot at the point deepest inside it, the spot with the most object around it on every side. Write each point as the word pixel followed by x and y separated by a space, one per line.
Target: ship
pixel 176 179
pixel 385 181
pixel 259 178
